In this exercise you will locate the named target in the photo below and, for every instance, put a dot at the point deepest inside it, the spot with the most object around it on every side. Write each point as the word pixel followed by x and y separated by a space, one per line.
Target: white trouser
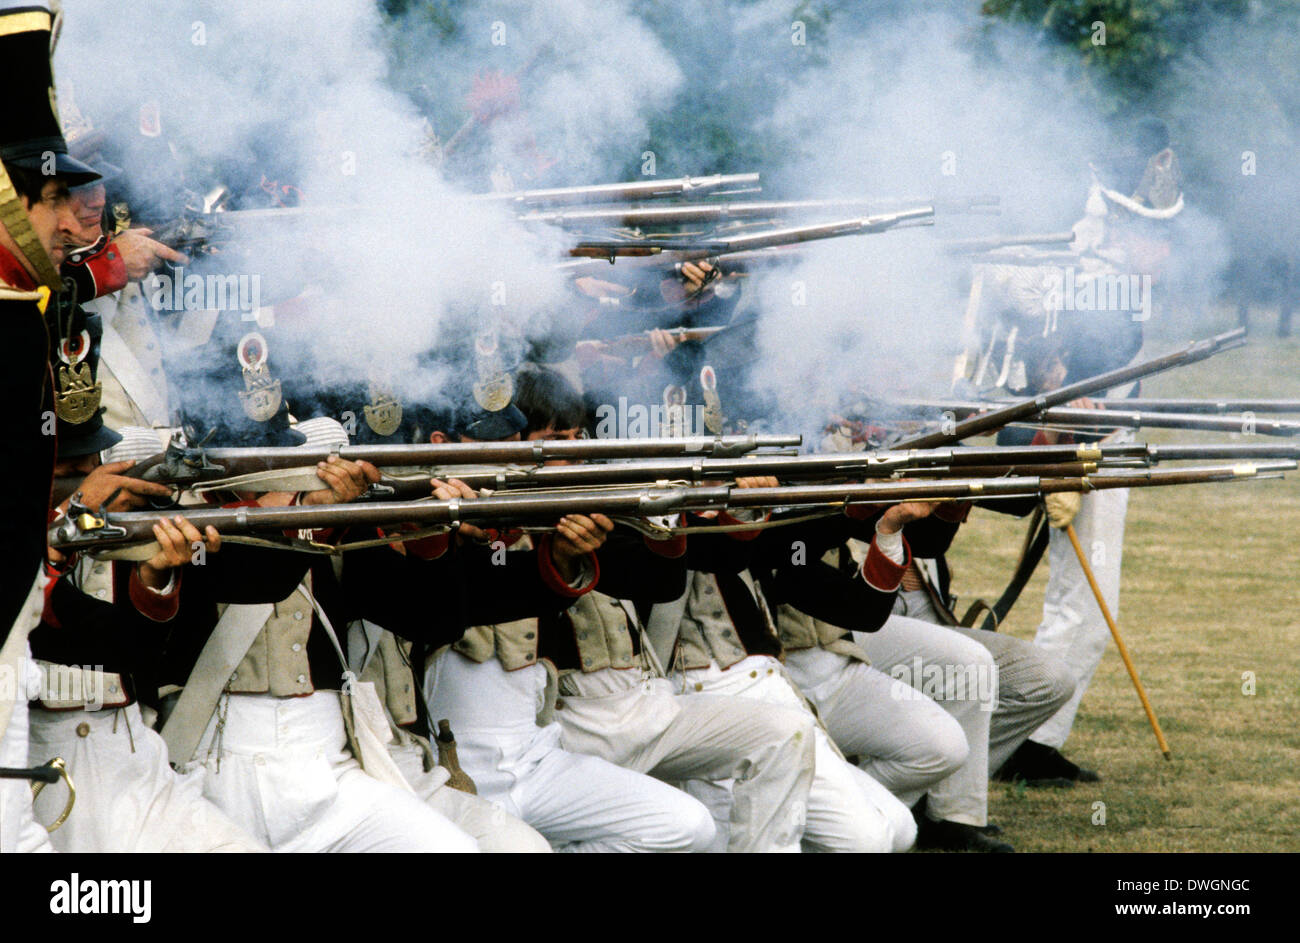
pixel 847 809
pixel 1032 684
pixel 959 675
pixel 128 798
pixel 1073 628
pixel 637 722
pixel 19 830
pixel 494 829
pixel 905 743
pixel 280 767
pixel 579 802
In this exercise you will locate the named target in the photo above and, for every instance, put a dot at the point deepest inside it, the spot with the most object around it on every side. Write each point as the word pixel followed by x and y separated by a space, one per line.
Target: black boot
pixel 1038 765
pixel 955 836
pixel 943 835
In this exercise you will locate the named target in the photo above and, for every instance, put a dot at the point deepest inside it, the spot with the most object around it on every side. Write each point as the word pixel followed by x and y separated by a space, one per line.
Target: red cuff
pixel 105 266
pixel 954 512
pixel 53 574
pixel 727 519
pixel 883 574
pixel 429 548
pixel 673 547
pixel 160 607
pixel 551 576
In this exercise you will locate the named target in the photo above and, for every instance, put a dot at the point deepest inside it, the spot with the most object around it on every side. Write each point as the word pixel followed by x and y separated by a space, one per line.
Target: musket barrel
pixel 633 190
pixel 82 530
pixel 997 418
pixel 1221 452
pixel 228 462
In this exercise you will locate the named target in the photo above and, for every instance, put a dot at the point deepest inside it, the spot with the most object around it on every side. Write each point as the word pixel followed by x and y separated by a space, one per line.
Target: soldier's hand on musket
pixel 896 515
pixel 1084 402
pixel 696 275
pixel 142 255
pixel 178 541
pixel 576 536
pixel 101 483
pixel 346 481
pixel 892 521
pixel 454 488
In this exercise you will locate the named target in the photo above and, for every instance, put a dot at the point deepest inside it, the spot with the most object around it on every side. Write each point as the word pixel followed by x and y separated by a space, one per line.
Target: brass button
pixel 83 729
pixel 717 613
pixel 302 679
pixel 297 616
pixel 699 686
pixel 296 646
pixel 530 635
pixel 528 656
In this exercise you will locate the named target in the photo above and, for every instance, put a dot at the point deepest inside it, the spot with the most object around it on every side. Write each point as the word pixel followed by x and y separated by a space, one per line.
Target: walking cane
pixel 1119 642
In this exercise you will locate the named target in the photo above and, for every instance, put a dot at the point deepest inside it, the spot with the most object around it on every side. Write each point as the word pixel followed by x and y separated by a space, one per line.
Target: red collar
pixel 12 272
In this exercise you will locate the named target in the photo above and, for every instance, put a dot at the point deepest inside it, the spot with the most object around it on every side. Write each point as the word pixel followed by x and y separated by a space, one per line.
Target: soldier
pixel 498 690
pixel 103 627
pixel 280 742
pixel 614 700
pixel 1074 332
pixel 35 220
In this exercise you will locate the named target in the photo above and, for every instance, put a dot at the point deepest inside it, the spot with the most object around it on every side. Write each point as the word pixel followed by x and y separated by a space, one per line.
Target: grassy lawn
pixel 1210 592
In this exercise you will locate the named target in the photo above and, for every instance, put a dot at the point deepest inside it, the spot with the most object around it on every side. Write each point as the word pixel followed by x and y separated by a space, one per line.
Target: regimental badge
pixel 674 422
pixel 261 396
pixel 714 421
pixel 79 393
pixel 494 388
pixel 383 412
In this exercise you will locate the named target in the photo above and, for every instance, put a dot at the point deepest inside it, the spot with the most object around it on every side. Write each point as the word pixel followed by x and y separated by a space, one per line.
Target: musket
pixel 83 530
pixel 678 213
pixel 671 251
pixel 990 244
pixel 849 466
pixel 186 466
pixel 1153 405
pixel 1214 406
pixel 622 192
pixel 639 343
pixel 410 485
pixel 1029 408
pixel 1220 452
pixel 1108 417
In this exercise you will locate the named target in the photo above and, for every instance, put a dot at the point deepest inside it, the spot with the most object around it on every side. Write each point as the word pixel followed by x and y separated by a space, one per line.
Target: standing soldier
pixel 35 173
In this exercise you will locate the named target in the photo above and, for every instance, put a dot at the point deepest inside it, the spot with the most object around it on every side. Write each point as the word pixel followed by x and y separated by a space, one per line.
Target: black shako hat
pixel 30 134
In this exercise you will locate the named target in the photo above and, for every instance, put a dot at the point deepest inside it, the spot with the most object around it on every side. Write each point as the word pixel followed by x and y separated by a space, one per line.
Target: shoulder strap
pixel 226 647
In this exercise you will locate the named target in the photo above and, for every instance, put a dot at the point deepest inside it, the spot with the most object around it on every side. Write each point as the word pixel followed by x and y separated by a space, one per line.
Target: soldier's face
pixel 88 207
pixel 52 219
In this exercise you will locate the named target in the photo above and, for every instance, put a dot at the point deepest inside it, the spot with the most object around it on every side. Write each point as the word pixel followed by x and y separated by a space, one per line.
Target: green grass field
pixel 1211 590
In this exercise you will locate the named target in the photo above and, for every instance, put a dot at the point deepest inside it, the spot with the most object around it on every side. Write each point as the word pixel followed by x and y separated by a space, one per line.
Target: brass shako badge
pixel 383 413
pixel 261 396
